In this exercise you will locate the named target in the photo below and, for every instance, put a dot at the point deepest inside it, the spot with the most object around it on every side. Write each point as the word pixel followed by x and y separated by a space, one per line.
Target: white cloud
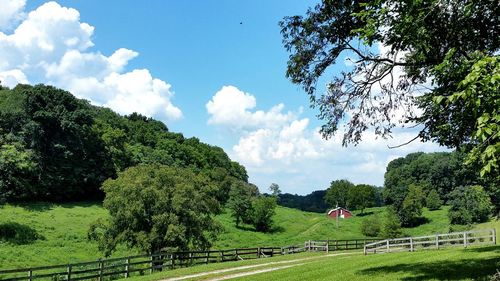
pixel 52 46
pixel 232 108
pixel 13 77
pixel 12 11
pixel 288 151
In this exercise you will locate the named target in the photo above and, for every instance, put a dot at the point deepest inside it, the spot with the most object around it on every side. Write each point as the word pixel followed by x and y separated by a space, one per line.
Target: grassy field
pixel 448 264
pixel 57 233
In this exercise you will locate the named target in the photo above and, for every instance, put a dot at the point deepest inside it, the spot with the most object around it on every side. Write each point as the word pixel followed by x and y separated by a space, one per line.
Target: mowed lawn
pixel 476 263
pixel 62 231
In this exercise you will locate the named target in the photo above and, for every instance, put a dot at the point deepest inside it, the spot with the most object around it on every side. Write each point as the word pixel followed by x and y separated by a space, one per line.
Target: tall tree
pixel 240 201
pixel 361 196
pixel 337 194
pixel 155 207
pixel 451 45
pixel 275 189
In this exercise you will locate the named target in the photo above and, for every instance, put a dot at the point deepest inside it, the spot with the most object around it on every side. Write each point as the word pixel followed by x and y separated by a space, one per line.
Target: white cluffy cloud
pixel 51 45
pixel 11 12
pixel 284 148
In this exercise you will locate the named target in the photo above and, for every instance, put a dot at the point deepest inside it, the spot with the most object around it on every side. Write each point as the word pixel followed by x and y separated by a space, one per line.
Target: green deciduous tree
pixel 337 194
pixel 451 45
pixel 433 202
pixel 361 196
pixel 264 209
pixel 411 209
pixel 155 207
pixel 469 204
pixel 391 226
pixel 275 189
pixel 240 200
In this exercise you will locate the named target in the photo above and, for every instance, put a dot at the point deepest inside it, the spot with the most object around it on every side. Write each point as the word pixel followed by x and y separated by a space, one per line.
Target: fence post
pixel 411 244
pixel 388 249
pixel 151 264
pixel 173 260
pixel 494 232
pixel 127 269
pixel 258 252
pixel 327 246
pixel 101 266
pixel 437 241
pixel 30 275
pixel 465 239
pixel 206 258
pixel 69 272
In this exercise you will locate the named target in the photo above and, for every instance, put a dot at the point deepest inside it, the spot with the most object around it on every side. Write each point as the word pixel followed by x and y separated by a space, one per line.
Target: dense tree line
pixel 313 202
pixel 432 179
pixel 56 147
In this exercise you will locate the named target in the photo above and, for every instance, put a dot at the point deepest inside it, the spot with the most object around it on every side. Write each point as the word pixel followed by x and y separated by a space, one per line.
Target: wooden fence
pixel 336 245
pixel 464 239
pixel 116 268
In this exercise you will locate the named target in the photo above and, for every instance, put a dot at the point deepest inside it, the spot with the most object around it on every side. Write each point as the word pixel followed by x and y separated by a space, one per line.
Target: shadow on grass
pixel 19 234
pixel 364 214
pixel 47 206
pixel 476 269
pixel 484 249
pixel 419 221
pixel 274 229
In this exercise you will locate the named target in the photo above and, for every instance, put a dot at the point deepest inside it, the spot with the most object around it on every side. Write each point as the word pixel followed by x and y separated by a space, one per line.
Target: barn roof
pixel 338 208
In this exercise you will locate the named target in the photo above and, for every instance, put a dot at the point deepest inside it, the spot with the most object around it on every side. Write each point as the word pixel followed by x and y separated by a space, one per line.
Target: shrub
pixel 263 212
pixel 371 226
pixel 470 204
pixel 433 202
pixel 392 225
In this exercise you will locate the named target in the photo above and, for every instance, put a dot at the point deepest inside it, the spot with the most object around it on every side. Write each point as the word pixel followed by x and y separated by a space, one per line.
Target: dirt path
pixel 229 276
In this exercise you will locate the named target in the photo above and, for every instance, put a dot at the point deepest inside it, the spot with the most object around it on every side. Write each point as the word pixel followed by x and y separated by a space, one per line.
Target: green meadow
pixel 57 233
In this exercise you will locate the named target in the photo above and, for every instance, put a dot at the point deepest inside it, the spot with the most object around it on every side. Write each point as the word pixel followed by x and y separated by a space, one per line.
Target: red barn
pixel 339 212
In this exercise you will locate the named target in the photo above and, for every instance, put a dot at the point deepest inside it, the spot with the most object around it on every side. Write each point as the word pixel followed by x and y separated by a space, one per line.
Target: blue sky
pixel 210 69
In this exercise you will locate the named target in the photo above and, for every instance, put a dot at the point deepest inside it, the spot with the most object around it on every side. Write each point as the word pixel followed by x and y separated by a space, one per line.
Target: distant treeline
pixel 56 147
pixel 313 202
pixel 439 173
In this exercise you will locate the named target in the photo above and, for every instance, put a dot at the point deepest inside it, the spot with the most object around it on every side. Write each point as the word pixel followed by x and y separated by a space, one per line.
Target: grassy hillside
pixel 62 232
pixel 294 226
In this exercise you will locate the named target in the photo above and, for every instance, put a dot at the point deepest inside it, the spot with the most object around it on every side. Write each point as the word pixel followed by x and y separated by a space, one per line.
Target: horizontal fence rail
pixel 464 239
pixel 124 267
pixel 337 245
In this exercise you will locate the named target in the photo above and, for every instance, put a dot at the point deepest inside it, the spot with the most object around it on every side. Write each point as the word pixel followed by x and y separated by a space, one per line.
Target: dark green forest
pixel 55 147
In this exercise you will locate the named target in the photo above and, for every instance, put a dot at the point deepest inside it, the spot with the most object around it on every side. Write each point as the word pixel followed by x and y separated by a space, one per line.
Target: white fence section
pixel 464 239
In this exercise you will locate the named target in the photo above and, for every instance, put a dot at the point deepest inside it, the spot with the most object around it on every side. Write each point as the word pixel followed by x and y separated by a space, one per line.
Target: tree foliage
pixel 275 189
pixel 371 226
pixel 360 197
pixel 439 171
pixel 313 202
pixel 240 202
pixel 337 194
pixel 469 204
pixel 433 202
pixel 411 209
pixel 156 207
pixel 451 45
pixel 56 147
pixel 264 208
pixel 391 226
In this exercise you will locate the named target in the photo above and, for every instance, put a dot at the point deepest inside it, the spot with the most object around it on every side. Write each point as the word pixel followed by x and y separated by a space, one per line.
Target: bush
pixel 470 204
pixel 392 225
pixel 433 202
pixel 371 226
pixel 263 212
